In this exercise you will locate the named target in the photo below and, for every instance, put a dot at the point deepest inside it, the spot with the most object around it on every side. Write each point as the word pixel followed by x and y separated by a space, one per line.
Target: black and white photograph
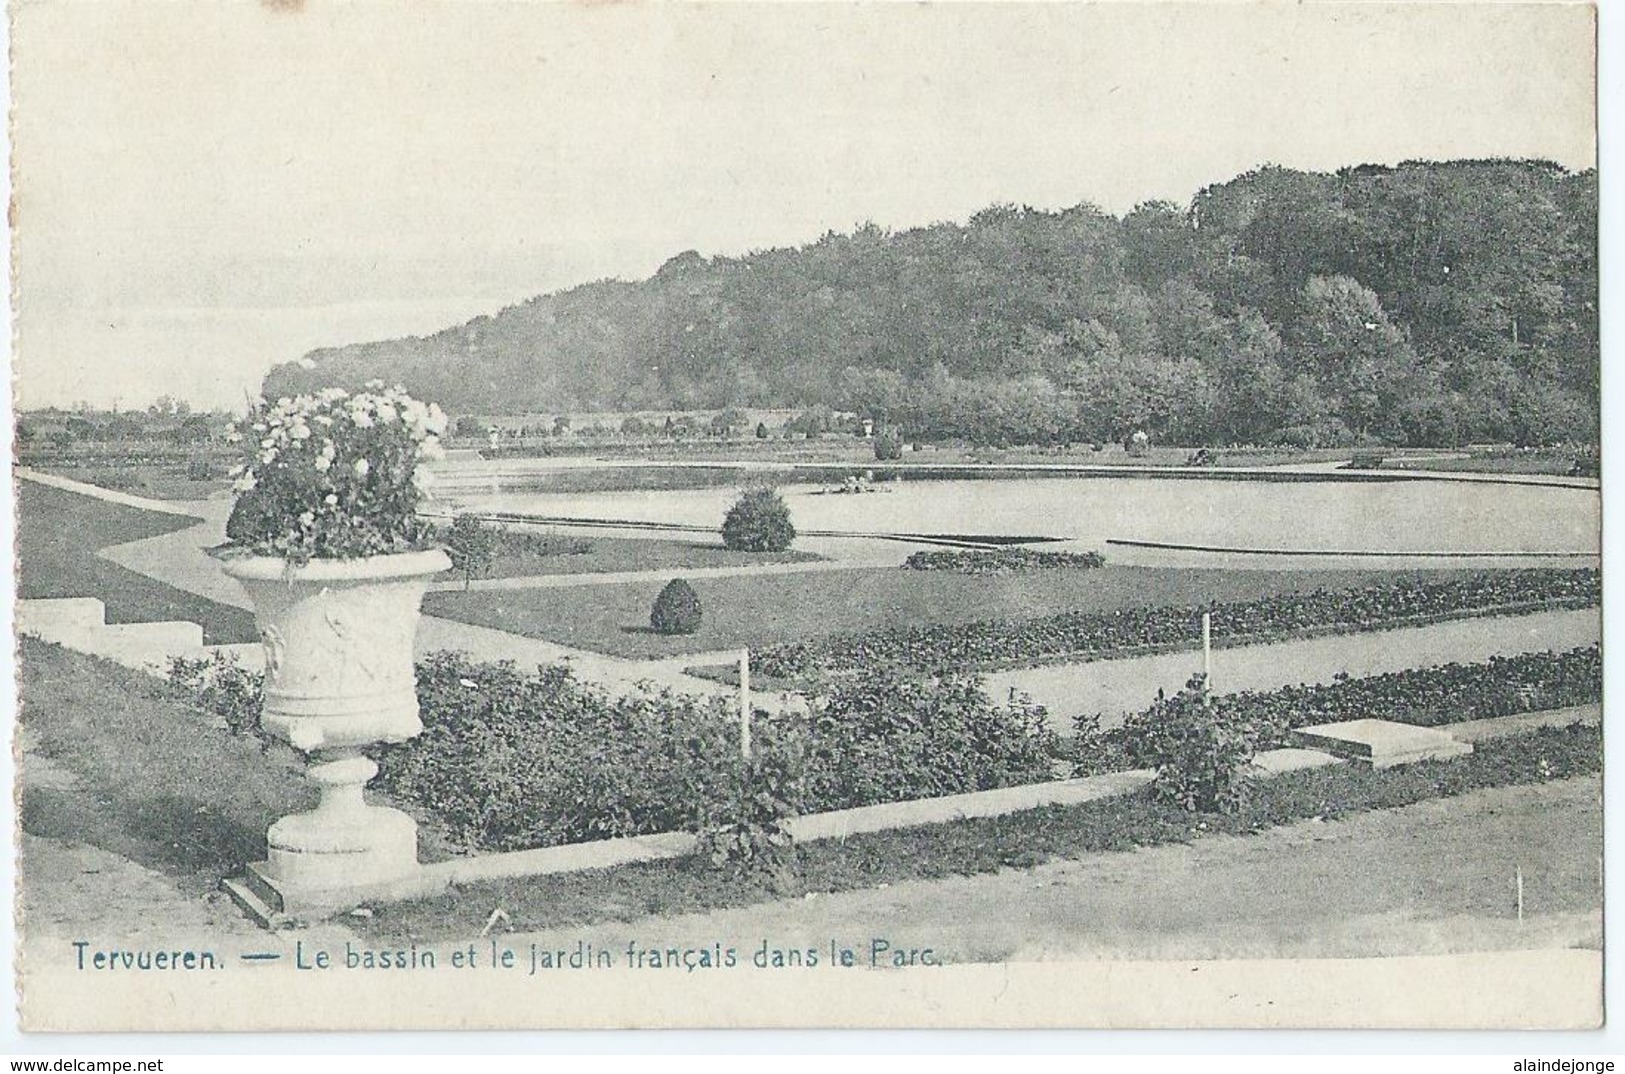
pixel 795 516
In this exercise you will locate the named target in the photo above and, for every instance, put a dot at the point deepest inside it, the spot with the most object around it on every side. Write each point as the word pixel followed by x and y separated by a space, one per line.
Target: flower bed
pixel 511 760
pixel 991 644
pixel 1001 561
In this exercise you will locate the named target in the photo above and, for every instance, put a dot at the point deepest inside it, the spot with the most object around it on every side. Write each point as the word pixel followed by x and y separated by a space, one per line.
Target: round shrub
pixel 676 610
pixel 888 445
pixel 1200 756
pixel 758 522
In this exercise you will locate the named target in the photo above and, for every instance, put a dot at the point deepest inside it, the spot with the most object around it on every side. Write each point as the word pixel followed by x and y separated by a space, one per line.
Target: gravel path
pixel 1116 687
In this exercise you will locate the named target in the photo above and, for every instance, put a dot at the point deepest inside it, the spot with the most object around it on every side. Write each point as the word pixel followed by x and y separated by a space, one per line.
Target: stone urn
pixel 339 676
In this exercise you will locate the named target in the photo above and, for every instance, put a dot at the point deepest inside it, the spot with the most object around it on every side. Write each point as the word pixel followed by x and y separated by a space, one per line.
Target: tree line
pixel 1432 303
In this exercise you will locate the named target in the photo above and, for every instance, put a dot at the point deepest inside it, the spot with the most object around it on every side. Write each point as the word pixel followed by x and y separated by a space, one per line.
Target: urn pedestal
pixel 339 676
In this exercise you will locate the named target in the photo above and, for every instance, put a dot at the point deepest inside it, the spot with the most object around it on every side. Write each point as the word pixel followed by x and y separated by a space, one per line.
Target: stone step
pixel 1500 726
pixel 56 617
pixel 143 646
pixel 258 900
pixel 1292 759
pixel 79 623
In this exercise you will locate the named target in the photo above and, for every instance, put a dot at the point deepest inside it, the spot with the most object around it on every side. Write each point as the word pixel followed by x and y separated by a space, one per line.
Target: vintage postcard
pixel 539 515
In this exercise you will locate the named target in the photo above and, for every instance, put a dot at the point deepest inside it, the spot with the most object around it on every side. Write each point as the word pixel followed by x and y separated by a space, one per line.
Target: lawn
pixel 58 535
pixel 157 782
pixel 553 554
pixel 758 610
pixel 1545 462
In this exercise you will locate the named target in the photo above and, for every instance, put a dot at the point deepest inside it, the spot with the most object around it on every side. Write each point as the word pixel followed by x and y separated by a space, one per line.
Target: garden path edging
pixel 838 824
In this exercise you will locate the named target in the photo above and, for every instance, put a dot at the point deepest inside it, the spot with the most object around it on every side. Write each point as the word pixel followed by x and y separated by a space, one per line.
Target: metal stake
pixel 744 704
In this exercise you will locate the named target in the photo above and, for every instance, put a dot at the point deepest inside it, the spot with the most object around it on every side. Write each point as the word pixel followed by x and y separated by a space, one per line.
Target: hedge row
pixel 1426 697
pixel 1001 561
pixel 989 644
pixel 980 845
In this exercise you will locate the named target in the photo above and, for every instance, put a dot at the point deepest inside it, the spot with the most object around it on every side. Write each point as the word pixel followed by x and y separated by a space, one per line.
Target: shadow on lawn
pixel 168 833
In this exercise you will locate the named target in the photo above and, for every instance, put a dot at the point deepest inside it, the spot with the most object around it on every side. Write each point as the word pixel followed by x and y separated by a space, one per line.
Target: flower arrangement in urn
pixel 335 475
pixel 326 539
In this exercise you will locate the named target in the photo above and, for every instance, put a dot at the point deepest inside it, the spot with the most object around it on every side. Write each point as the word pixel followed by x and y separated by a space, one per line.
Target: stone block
pixel 1381 743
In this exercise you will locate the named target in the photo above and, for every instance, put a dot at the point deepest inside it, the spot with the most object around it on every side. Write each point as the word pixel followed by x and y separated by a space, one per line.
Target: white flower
pixel 386 412
pixel 306 363
pixel 437 419
pixel 323 463
pixel 362 419
pixel 331 500
pixel 268 455
pixel 234 437
pixel 375 385
pixel 307 519
pixel 300 431
pixel 245 483
pixel 422 478
pixel 432 448
pixel 322 419
pixel 362 466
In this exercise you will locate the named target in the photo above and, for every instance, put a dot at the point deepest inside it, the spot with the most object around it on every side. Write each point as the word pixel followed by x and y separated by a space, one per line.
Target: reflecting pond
pixel 1377 516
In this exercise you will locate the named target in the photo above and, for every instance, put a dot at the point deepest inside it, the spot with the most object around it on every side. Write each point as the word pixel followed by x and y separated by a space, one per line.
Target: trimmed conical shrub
pixel 676 610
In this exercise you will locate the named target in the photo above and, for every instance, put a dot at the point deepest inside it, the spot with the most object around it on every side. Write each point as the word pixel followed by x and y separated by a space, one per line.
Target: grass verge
pixel 969 847
pixel 153 780
pixel 760 610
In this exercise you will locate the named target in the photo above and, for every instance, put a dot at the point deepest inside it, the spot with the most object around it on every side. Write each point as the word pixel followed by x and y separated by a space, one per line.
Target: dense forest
pixel 1424 304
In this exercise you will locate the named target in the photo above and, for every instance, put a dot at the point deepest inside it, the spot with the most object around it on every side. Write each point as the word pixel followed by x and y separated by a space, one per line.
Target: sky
pixel 205 189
